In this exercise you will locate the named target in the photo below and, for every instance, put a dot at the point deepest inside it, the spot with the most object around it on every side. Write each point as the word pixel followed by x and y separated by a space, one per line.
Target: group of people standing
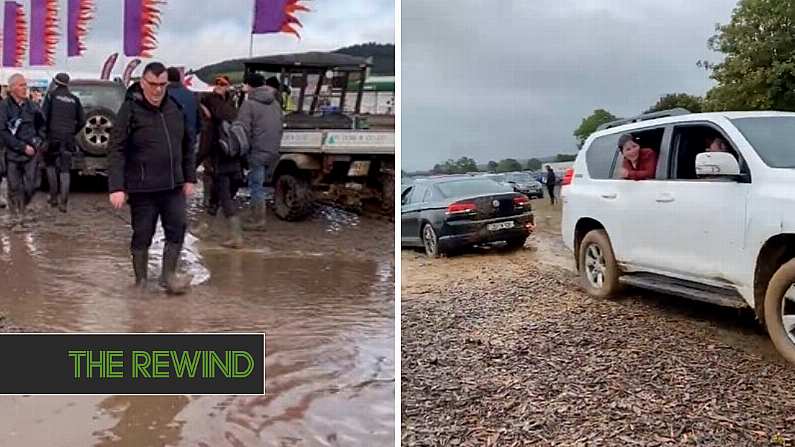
pixel 153 155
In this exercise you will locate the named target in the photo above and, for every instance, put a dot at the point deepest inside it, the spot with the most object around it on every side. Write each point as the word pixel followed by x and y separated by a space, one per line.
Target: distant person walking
pixel 552 180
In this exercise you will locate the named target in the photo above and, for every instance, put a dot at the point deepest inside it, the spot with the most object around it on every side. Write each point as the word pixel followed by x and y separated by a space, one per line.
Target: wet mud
pixel 322 290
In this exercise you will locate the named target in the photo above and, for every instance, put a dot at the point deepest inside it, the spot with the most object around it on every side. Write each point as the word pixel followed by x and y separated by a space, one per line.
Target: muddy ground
pixel 321 290
pixel 503 348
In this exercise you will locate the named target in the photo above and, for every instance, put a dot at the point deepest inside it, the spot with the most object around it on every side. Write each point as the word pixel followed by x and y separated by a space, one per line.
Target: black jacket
pixel 21 125
pixel 551 179
pixel 64 114
pixel 221 109
pixel 151 148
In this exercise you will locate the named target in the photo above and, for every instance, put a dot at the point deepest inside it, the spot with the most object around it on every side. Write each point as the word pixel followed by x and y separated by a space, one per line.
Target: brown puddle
pixel 321 290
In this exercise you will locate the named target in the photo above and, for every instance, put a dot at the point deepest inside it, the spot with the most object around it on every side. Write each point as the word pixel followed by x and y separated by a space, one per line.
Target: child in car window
pixel 639 163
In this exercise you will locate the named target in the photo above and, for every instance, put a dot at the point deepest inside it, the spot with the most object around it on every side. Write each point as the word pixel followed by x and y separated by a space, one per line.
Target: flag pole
pixel 251 36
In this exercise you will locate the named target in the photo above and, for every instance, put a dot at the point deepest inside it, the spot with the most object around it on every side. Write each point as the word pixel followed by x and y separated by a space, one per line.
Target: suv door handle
pixel 665 198
pixel 609 196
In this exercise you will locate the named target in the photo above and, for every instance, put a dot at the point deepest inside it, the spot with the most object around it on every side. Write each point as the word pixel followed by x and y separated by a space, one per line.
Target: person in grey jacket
pixel 261 115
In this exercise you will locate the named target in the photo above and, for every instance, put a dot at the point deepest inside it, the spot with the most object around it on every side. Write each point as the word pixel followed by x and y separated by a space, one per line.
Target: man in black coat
pixel 22 130
pixel 153 167
pixel 65 118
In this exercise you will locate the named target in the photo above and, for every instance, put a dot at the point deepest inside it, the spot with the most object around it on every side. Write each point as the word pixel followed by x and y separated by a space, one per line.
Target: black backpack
pixel 233 139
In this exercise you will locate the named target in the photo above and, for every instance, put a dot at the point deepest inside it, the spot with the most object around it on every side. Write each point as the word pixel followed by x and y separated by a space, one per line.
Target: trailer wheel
pixel 293 197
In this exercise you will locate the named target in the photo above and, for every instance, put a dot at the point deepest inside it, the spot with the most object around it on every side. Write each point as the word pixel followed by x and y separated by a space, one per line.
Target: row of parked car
pixel 444 214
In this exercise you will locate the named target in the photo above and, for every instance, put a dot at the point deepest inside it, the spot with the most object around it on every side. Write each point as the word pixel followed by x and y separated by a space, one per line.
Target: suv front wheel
pixel 597 265
pixel 780 310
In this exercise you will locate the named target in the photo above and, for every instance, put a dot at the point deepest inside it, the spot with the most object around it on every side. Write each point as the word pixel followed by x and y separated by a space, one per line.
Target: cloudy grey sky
pixel 514 78
pixel 198 32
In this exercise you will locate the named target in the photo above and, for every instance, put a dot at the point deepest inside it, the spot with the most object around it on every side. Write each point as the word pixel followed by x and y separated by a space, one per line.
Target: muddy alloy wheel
pixel 292 198
pixel 95 136
pixel 430 241
pixel 779 308
pixel 597 265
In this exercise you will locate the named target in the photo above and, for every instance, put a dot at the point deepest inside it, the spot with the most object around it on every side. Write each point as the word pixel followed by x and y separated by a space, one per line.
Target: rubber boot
pixel 52 180
pixel 140 259
pixel 235 233
pixel 13 207
pixel 173 282
pixel 3 201
pixel 63 197
pixel 257 218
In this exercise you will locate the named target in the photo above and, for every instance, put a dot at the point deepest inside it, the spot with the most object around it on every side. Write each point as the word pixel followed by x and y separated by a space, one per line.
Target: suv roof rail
pixel 646 116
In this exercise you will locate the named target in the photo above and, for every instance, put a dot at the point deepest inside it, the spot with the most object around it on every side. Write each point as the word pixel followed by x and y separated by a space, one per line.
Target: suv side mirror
pixel 717 164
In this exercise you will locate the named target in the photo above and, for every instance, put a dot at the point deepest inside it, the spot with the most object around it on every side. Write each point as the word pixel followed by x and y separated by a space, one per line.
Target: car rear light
pixel 568 177
pixel 461 208
pixel 521 200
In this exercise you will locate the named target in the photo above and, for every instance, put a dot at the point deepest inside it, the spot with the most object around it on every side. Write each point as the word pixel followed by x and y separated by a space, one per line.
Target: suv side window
pixel 689 140
pixel 646 138
pixel 601 155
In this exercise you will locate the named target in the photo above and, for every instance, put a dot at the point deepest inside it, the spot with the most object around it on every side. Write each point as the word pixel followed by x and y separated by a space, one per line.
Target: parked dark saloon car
pixel 444 214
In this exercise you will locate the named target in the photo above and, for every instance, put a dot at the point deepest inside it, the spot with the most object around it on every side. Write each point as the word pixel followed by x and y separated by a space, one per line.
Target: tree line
pixel 465 165
pixel 757 72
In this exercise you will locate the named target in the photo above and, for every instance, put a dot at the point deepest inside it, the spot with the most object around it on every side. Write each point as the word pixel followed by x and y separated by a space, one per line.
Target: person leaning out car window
pixel 639 163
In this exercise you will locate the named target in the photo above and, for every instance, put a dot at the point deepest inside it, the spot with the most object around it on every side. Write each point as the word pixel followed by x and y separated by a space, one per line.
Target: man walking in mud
pixel 22 129
pixel 65 118
pixel 152 167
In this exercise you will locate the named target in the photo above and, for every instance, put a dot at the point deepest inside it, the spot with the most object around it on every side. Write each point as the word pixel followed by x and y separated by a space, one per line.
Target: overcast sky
pixel 514 78
pixel 198 32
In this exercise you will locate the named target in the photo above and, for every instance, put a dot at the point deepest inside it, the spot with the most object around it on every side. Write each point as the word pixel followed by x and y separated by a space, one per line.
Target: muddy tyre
pixel 516 243
pixel 597 265
pixel 430 241
pixel 292 199
pixel 780 310
pixel 94 138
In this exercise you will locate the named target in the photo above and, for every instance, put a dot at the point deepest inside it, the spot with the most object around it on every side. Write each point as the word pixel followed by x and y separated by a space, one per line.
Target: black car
pixel 445 214
pixel 524 183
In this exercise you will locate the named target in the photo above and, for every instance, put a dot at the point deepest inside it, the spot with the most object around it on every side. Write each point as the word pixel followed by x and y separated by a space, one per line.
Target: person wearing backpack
pixel 227 169
pixel 261 117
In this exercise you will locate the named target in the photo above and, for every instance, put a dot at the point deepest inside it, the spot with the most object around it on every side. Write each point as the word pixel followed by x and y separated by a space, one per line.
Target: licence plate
pixel 500 226
pixel 359 168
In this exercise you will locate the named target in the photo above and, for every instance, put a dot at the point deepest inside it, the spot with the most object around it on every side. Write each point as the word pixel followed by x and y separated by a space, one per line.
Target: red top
pixel 646 166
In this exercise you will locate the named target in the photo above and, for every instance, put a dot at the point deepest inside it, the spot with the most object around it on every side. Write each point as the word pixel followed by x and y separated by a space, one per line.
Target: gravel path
pixel 515 354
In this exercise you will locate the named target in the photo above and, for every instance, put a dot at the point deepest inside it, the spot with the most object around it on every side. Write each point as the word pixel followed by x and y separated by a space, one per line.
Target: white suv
pixel 715 227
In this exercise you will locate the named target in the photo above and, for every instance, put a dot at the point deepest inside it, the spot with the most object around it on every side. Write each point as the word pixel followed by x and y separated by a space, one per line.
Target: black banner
pixel 148 363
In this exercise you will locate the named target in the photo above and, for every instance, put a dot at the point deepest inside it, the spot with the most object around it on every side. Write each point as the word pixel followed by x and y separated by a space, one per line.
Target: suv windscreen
pixel 772 137
pixel 107 96
pixel 472 188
